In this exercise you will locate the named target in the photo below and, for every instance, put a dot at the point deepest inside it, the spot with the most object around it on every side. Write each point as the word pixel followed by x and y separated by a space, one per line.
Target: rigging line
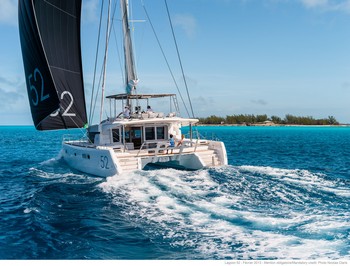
pixel 132 29
pixel 133 47
pixel 64 122
pixel 178 55
pixel 99 83
pixel 102 69
pixel 118 52
pixel 93 83
pixel 140 45
pixel 166 60
pixel 77 126
pixel 108 30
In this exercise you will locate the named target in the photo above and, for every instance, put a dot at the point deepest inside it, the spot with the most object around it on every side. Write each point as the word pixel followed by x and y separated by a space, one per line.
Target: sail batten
pixel 50 41
pixel 67 70
pixel 64 11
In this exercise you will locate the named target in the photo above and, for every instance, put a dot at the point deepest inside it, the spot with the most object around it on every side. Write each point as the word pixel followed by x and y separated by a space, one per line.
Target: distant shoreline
pixel 270 125
pixel 233 125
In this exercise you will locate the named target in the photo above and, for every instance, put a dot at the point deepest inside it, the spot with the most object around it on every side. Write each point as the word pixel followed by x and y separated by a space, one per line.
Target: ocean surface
pixel 284 195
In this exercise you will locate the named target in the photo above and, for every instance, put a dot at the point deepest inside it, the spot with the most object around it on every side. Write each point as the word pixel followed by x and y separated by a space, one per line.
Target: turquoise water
pixel 284 195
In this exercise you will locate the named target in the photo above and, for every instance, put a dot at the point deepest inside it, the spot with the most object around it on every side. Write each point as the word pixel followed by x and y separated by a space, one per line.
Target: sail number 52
pixel 66 112
pixel 104 162
pixel 37 75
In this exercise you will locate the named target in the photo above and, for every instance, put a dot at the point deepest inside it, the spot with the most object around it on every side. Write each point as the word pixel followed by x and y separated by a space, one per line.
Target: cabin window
pixel 149 133
pixel 137 133
pixel 161 132
pixel 85 156
pixel 116 135
pixel 127 135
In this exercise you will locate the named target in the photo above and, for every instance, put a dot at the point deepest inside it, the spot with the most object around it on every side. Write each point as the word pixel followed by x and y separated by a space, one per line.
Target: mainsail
pixel 50 41
pixel 130 72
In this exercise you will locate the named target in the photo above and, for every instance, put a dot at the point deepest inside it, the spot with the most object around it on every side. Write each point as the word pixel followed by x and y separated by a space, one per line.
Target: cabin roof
pixel 167 120
pixel 124 96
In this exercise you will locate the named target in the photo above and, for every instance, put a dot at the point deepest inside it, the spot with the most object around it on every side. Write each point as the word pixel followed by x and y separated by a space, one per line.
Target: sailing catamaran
pixel 132 140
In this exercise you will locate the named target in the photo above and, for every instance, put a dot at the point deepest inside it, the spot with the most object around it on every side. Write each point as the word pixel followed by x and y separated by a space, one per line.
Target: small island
pixel 264 120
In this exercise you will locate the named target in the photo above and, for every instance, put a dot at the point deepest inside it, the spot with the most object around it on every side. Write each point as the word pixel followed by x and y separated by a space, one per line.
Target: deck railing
pixel 153 146
pixel 160 147
pixel 75 138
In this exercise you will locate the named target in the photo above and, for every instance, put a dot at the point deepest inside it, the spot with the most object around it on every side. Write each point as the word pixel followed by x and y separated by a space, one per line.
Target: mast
pixel 105 61
pixel 130 70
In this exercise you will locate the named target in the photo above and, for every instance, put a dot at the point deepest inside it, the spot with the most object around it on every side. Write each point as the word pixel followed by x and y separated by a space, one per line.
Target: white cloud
pixel 342 6
pixel 322 5
pixel 90 10
pixel 8 12
pixel 328 5
pixel 187 22
pixel 314 3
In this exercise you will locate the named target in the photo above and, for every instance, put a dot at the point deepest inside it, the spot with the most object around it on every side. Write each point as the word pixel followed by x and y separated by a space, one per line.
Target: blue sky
pixel 273 57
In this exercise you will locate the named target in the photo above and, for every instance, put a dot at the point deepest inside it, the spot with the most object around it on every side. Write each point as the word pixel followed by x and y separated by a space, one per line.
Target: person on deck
pixel 149 109
pixel 171 143
pixel 180 142
pixel 125 113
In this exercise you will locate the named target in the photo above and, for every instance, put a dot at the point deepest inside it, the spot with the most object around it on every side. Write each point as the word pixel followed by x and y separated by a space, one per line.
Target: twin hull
pixel 104 161
pixel 99 162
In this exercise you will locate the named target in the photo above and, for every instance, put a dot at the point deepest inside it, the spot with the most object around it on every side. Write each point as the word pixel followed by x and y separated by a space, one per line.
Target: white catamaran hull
pixel 105 161
pixel 99 162
pixel 129 140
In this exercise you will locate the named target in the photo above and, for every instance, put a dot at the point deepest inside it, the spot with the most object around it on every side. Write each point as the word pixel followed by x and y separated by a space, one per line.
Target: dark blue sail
pixel 50 41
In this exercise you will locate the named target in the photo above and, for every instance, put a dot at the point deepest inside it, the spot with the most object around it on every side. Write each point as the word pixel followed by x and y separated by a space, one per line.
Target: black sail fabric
pixel 42 94
pixel 50 40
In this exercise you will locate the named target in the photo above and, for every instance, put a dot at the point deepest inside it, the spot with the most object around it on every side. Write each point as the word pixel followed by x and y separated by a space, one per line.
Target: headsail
pixel 130 72
pixel 50 41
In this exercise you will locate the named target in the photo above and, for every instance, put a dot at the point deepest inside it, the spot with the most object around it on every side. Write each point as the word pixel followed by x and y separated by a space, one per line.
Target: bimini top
pixel 124 96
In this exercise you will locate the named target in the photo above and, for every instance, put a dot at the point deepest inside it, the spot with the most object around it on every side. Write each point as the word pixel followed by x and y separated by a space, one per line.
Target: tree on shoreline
pixel 259 119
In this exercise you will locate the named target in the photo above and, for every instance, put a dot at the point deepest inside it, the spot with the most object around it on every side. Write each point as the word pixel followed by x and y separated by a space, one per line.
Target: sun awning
pixel 125 96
